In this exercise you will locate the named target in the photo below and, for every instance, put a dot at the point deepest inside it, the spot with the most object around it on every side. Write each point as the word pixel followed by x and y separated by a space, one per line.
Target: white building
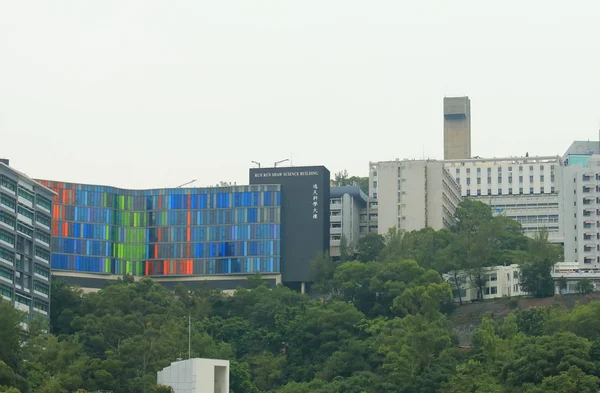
pixel 196 376
pixel 501 281
pixel 581 206
pixel 525 189
pixel 344 210
pixel 413 194
pixel 573 274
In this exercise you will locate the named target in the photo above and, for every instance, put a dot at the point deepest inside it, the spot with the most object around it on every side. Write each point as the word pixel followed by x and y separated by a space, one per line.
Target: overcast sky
pixel 147 94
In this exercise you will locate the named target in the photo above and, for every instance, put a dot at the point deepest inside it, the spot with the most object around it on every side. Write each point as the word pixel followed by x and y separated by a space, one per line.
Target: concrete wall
pixel 457 128
pixel 196 376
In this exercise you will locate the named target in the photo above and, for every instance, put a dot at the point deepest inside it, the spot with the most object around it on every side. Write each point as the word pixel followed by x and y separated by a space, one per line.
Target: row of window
pixel 167 218
pixel 510 179
pixel 510 191
pixel 166 267
pixel 218 200
pixel 7 237
pixel 7 182
pixel 166 250
pixel 510 168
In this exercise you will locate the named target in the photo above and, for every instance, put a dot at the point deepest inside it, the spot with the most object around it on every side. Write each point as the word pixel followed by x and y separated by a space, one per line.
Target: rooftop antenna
pixel 279 162
pixel 185 184
pixel 257 163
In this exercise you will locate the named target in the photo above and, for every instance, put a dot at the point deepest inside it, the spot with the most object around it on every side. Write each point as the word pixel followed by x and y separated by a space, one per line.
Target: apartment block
pixel 525 189
pixel 25 239
pixel 413 194
pixel 345 208
pixel 580 201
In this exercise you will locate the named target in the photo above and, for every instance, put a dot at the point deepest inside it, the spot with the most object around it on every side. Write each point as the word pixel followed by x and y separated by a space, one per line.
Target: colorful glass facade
pixel 180 231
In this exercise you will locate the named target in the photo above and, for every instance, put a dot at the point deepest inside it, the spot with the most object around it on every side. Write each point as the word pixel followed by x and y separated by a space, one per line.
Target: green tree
pixel 585 286
pixel 369 247
pixel 11 335
pixel 535 270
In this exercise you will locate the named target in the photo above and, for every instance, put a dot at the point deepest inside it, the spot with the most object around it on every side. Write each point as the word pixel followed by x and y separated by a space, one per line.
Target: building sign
pixel 315 201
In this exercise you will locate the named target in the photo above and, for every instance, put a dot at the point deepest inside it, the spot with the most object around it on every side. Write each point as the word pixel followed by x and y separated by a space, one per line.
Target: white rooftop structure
pixel 196 376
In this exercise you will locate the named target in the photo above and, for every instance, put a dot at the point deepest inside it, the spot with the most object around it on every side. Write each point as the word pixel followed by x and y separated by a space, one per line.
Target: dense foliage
pixel 379 325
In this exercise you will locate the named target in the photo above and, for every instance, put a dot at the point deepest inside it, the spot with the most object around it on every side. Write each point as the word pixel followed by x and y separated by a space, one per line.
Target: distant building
pixel 413 194
pixel 369 217
pixel 573 273
pixel 581 208
pixel 525 189
pixel 345 207
pixel 501 281
pixel 214 235
pixel 579 152
pixel 457 128
pixel 196 376
pixel 25 239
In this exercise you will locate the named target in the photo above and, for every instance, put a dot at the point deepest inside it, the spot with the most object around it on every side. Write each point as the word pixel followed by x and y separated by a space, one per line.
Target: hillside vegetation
pixel 380 325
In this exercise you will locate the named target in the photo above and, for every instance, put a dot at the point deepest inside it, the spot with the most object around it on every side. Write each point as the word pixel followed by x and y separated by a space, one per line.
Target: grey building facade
pixel 25 238
pixel 457 128
pixel 346 205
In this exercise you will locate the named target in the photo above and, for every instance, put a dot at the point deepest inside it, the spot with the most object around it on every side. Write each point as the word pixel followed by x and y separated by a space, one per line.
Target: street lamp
pixel 279 162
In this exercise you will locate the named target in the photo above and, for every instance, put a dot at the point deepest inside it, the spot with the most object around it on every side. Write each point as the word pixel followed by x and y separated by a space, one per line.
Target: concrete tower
pixel 457 128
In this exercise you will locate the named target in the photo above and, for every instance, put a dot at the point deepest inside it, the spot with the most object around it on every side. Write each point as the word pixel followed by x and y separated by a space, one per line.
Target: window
pixel 468 170
pixel 493 277
pixel 478 170
pixel 22 299
pixel 5 291
pixel 499 191
pixel 531 190
pixel 7 273
pixel 552 189
pixel 489 180
pixel 26 194
pixel 468 181
pixel 531 179
pixel 520 190
pixel 552 178
pixel 531 168
pixel 499 179
pixel 457 171
pixel 24 228
pixel 25 211
pixel 489 170
pixel 510 191
pixel 5 218
pixel 42 219
pixel 494 290
pixel 468 192
pixel 521 168
pixel 510 180
pixel 40 305
pixel 520 179
pixel 43 202
pixel 541 177
pixel 42 288
pixel 43 236
pixel 487 290
pixel 541 190
pixel 42 271
pixel 478 180
pixel 489 191
pixel 43 254
pixel 8 201
pixel 478 192
pixel 541 167
pixel 7 255
pixel 7 237
pixel 8 183
pixel 374 183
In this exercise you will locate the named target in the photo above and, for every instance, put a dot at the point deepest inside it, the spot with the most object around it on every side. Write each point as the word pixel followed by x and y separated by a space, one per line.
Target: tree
pixel 562 283
pixel 369 247
pixel 535 270
pixel 343 179
pixel 585 286
pixel 347 250
pixel 11 335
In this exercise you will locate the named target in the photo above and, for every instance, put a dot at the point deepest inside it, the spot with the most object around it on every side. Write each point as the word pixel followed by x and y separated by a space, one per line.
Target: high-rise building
pixel 412 195
pixel 581 212
pixel 25 238
pixel 457 128
pixel 580 151
pixel 525 189
pixel 217 235
pixel 345 208
pixel 305 201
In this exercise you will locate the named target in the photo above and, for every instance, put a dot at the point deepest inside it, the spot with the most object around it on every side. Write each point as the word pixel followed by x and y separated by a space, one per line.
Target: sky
pixel 143 94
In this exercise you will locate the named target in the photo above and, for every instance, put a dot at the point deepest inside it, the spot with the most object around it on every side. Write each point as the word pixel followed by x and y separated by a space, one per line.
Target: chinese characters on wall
pixel 315 201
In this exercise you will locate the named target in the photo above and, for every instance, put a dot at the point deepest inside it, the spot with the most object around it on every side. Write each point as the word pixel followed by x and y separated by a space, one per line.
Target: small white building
pixel 196 376
pixel 346 203
pixel 573 273
pixel 501 281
